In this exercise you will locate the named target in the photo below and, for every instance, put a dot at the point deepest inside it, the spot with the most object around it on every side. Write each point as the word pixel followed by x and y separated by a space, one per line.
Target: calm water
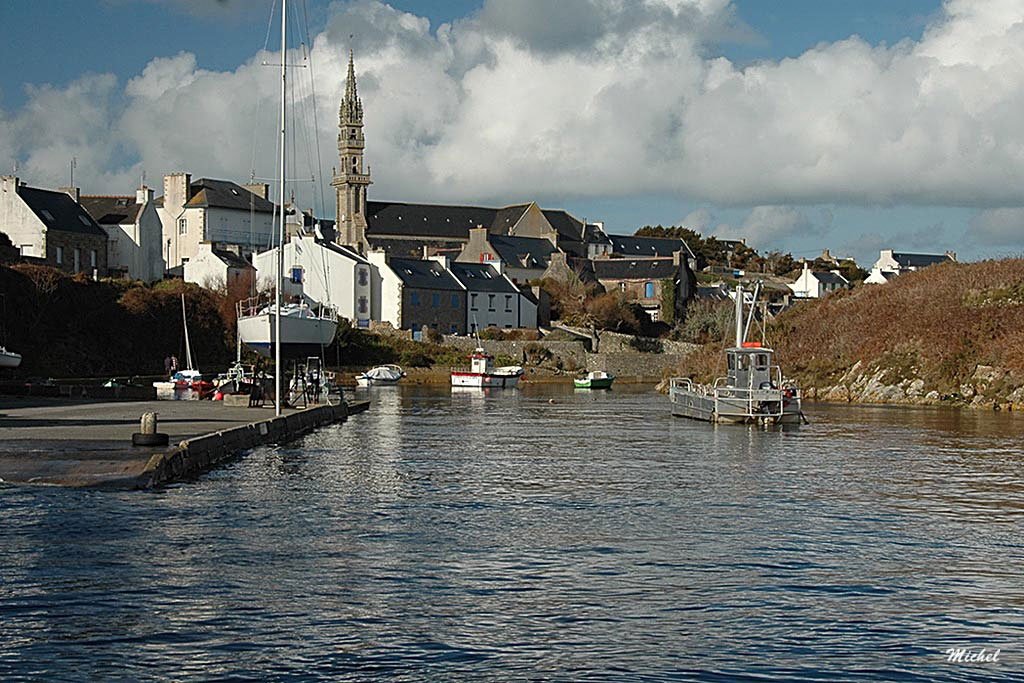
pixel 460 536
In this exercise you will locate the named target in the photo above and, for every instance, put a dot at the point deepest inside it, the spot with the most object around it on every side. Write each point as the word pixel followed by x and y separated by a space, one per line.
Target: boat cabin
pixel 481 362
pixel 749 366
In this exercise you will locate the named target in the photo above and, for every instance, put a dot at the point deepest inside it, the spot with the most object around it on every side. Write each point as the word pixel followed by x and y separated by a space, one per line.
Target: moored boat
pixel 596 379
pixel 9 359
pixel 752 392
pixel 382 374
pixel 483 374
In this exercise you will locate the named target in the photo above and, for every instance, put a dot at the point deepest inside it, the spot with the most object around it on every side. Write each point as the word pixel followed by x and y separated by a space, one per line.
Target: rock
pixel 967 391
pixel 916 388
pixel 932 396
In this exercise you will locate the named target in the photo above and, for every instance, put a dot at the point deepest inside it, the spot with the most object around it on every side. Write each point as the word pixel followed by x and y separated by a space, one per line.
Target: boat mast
pixel 739 316
pixel 280 234
pixel 184 322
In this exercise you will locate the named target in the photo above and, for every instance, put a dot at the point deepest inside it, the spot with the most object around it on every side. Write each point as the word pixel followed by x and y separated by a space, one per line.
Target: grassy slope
pixel 937 324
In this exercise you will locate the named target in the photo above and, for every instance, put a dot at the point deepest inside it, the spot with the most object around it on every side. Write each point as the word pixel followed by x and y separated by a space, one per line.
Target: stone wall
pixel 613 342
pixel 568 355
pixel 632 365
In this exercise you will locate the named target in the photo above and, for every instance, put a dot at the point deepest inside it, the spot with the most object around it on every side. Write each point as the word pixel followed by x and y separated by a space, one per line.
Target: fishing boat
pixel 483 374
pixel 9 359
pixel 596 379
pixel 382 374
pixel 275 329
pixel 753 391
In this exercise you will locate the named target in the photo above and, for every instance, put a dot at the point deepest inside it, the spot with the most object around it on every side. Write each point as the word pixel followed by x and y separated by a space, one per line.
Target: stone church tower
pixel 351 178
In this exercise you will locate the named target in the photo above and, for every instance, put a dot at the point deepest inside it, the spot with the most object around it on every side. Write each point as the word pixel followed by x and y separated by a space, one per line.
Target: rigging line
pixel 316 124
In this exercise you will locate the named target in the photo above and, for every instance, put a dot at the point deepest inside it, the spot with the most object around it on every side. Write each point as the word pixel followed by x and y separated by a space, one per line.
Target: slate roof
pixel 111 209
pixel 231 258
pixel 481 277
pixel 567 227
pixel 423 274
pixel 635 269
pixel 918 260
pixel 224 194
pixel 432 220
pixel 631 245
pixel 58 211
pixel 505 218
pixel 830 278
pixel 524 252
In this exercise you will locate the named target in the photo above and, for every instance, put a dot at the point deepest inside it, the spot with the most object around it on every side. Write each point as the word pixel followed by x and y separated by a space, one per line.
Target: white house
pixel 133 232
pixel 215 268
pixel 324 272
pixel 816 284
pixel 892 263
pixel 215 211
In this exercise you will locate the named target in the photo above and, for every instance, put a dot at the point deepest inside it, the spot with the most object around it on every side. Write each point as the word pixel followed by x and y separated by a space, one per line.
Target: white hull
pixel 300 336
pixel 485 380
pixel 9 359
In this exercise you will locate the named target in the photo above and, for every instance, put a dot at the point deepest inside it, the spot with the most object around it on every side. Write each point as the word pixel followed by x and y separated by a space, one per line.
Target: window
pixel 732 362
pixel 47 215
pixel 622 286
pixel 472 302
pixel 436 301
pixel 490 302
pixel 455 328
pixel 297 275
pixel 362 277
pixel 362 305
pixel 60 255
pixel 92 258
pixel 649 290
pixel 455 300
pixel 78 259
pixel 414 298
pixel 761 361
pixel 355 200
pixel 84 220
pixel 508 303
pixel 182 226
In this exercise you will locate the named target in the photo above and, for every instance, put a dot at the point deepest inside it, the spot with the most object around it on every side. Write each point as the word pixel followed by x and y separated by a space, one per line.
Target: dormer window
pixel 85 221
pixel 47 215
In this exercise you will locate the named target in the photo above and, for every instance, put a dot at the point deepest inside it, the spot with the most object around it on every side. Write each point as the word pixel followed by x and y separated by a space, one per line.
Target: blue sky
pixel 752 118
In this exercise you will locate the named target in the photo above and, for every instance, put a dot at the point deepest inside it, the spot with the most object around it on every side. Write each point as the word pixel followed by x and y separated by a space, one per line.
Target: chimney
pixel 177 190
pixel 951 255
pixel 144 195
pixel 443 259
pixel 9 183
pixel 261 190
pixel 378 257
pixel 73 192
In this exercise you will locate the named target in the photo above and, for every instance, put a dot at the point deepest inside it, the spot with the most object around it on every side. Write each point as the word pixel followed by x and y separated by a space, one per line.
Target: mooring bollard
pixel 148 436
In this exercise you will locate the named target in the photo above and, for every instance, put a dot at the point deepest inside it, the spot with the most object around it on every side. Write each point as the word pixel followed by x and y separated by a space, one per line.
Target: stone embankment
pixel 988 387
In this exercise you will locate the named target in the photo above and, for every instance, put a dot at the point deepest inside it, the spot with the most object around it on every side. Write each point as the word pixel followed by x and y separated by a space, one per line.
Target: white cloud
pixel 507 105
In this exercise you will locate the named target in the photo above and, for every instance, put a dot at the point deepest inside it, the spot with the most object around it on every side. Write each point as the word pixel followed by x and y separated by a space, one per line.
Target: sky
pixel 795 124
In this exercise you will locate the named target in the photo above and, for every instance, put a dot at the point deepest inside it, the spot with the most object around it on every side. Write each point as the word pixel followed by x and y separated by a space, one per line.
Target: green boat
pixel 595 380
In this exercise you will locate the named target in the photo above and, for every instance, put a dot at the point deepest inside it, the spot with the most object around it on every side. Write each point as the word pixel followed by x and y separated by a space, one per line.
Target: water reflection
pixel 539 532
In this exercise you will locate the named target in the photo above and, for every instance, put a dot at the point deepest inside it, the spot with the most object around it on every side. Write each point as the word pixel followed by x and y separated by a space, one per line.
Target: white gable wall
pixel 22 225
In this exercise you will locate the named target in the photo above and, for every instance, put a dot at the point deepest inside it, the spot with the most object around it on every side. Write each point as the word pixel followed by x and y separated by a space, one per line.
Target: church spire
pixel 351 111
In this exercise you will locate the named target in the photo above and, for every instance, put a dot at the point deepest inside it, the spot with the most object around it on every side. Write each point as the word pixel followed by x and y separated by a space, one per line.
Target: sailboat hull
pixel 300 337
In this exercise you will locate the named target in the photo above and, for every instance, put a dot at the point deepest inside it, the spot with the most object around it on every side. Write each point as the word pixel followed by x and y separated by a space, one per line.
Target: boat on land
pixel 484 375
pixel 380 375
pixel 190 377
pixel 753 391
pixel 596 379
pixel 9 359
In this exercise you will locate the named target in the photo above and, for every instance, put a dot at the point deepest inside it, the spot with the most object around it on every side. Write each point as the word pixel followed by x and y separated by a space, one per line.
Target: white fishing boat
pixel 9 359
pixel 189 377
pixel 276 329
pixel 753 390
pixel 483 374
pixel 382 374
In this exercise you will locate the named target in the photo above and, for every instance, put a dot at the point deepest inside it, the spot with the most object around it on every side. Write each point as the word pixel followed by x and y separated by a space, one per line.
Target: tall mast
pixel 280 233
pixel 184 322
pixel 739 316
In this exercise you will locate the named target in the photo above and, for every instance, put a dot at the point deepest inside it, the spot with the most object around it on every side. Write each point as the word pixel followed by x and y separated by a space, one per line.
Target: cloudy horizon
pixel 627 112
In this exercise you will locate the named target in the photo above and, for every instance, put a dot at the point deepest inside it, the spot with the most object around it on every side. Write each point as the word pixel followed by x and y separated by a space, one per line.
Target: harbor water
pixel 540 533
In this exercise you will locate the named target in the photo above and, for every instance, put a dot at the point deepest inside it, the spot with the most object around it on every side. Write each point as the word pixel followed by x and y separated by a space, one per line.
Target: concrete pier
pixel 80 443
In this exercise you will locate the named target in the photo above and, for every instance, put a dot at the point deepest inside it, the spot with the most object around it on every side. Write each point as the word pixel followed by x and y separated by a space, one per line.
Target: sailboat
pixel 9 359
pixel 279 329
pixel 190 377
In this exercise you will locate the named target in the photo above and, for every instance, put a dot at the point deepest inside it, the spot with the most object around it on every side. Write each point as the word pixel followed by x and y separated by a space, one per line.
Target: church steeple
pixel 351 179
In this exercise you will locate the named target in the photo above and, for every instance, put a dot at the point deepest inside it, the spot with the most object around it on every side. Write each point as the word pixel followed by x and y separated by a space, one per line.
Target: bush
pixel 706 321
pixel 647 344
pixel 492 334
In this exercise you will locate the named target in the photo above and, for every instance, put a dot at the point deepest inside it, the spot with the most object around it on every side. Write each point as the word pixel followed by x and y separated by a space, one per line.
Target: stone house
pixel 134 233
pixel 522 259
pixel 640 280
pixel 216 211
pixel 418 294
pixel 52 226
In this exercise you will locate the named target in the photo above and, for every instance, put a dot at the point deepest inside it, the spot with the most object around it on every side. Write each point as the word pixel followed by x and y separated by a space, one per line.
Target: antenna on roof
pixel 74 162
